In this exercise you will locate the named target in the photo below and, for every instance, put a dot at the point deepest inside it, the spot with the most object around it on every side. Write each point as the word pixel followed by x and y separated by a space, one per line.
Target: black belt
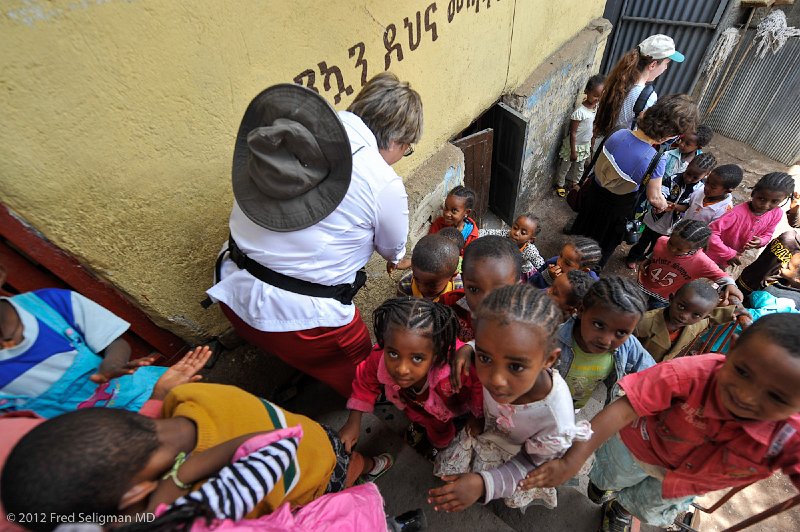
pixel 343 293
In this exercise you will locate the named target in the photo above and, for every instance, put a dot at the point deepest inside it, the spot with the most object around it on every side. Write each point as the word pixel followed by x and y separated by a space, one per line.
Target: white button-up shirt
pixel 373 216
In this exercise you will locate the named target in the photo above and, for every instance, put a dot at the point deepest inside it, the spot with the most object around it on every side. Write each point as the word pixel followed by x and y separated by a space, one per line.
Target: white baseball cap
pixel 660 47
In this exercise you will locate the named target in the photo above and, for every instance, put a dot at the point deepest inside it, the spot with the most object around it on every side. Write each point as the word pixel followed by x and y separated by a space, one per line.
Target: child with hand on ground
pixel 62 351
pixel 669 332
pixel 678 259
pixel 712 200
pixel 528 409
pixel 578 253
pixel 577 145
pixel 416 340
pixel 489 263
pixel 457 207
pixel 677 190
pixel 567 291
pixel 691 426
pixel 688 146
pixel 750 225
pixel 597 345
pixel 433 269
pixel 523 233
pixel 110 461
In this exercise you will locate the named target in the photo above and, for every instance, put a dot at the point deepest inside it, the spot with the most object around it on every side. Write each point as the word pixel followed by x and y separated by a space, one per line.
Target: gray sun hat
pixel 292 161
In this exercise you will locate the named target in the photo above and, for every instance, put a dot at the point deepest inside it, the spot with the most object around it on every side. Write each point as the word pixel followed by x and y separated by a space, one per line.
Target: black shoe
pixel 598 496
pixel 408 522
pixel 615 518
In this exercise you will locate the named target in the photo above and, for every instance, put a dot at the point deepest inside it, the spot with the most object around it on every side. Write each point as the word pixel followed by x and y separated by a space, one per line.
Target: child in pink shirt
pixel 416 339
pixel 750 225
pixel 678 259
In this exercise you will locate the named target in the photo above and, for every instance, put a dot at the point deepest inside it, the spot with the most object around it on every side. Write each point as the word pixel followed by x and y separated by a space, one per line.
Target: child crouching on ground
pixel 433 269
pixel 577 253
pixel 669 332
pixel 523 233
pixel 691 426
pixel 596 345
pixel 528 409
pixel 416 340
pixel 109 461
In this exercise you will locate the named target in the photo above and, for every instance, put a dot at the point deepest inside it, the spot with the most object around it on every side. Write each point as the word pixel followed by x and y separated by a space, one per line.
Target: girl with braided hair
pixel 416 339
pixel 678 259
pixel 527 406
pixel 597 345
pixel 677 190
pixel 751 225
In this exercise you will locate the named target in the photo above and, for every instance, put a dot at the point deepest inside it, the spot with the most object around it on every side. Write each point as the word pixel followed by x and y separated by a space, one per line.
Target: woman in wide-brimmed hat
pixel 314 196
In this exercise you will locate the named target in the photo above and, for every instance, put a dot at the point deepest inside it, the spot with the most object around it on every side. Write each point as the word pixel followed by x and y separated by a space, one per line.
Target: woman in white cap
pixel 630 83
pixel 314 197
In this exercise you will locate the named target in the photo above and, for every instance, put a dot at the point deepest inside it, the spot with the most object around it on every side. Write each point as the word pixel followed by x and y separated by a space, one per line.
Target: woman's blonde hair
pixel 618 83
pixel 391 109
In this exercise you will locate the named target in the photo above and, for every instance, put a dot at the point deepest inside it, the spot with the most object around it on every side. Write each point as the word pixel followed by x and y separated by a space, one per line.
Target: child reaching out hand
pixel 416 339
pixel 695 425
pixel 750 225
pixel 528 409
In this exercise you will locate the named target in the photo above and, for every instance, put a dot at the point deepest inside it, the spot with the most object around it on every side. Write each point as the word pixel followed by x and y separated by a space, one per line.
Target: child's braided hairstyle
pixel 580 281
pixel 523 303
pixel 693 231
pixel 588 249
pixel 704 161
pixel 435 321
pixel 777 181
pixel 617 292
pixel 533 218
pixel 460 191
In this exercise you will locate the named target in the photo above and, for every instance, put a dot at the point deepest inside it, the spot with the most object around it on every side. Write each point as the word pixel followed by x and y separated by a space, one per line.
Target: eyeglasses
pixel 409 150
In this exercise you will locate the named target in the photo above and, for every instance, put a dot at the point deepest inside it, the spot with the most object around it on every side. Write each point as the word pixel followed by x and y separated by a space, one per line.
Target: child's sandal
pixel 383 463
pixel 561 192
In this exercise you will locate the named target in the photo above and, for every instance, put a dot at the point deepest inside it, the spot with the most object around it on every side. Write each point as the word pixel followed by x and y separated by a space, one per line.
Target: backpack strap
pixel 641 101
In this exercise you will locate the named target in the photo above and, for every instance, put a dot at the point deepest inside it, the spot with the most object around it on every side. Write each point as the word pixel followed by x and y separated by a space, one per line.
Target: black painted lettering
pixel 431 26
pixel 310 76
pixel 335 71
pixel 360 61
pixel 389 37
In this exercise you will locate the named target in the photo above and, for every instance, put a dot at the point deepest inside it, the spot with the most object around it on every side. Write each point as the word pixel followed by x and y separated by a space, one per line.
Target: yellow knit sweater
pixel 221 413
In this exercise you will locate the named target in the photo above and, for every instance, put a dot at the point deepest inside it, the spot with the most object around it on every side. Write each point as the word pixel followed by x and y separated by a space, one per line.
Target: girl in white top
pixel 577 145
pixel 527 405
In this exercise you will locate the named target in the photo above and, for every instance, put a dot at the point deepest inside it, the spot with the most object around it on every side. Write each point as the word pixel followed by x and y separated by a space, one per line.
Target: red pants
pixel 329 354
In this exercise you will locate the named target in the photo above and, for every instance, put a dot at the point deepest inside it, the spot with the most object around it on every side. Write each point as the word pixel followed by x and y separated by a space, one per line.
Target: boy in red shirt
pixel 690 426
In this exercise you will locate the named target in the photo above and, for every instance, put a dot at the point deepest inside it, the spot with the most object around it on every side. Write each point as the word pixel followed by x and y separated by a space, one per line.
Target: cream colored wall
pixel 119 116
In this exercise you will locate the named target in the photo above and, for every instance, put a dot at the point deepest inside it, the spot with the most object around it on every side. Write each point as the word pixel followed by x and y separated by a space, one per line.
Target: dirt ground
pixel 265 376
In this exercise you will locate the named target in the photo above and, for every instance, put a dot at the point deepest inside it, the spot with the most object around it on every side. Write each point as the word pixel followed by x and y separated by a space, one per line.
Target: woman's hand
pixel 460 492
pixel 183 371
pixel 461 362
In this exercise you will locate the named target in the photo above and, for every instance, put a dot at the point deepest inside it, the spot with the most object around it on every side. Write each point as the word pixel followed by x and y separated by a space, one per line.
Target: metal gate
pixel 691 23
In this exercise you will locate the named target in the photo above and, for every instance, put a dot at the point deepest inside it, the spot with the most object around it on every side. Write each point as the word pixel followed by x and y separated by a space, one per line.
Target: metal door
pixel 510 139
pixel 477 150
pixel 691 23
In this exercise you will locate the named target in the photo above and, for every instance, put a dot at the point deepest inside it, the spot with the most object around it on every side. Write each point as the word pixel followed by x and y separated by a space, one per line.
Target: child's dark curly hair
pixel 731 175
pixel 776 181
pixel 672 115
pixel 533 218
pixel 704 135
pixel 522 303
pixel 594 81
pixel 580 281
pixel 617 293
pixel 435 321
pixel 781 328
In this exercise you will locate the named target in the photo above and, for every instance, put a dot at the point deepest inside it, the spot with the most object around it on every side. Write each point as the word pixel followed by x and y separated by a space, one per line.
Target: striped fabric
pixel 237 488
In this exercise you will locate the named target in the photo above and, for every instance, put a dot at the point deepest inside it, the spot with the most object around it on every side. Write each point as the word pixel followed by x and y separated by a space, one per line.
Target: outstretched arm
pixel 607 423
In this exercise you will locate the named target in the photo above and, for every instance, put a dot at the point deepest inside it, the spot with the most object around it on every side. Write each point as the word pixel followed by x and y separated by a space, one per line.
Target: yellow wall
pixel 119 116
